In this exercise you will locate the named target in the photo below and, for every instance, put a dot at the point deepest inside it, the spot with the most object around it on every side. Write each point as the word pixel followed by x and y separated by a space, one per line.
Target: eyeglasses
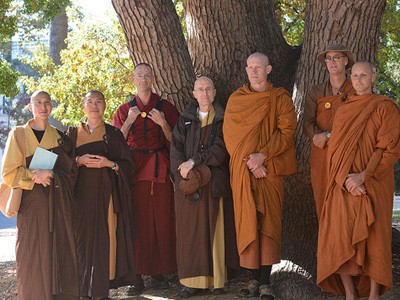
pixel 145 77
pixel 333 58
pixel 201 90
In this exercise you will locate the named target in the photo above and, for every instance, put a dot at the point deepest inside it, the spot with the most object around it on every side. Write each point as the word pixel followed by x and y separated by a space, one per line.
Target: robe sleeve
pixel 120 116
pixel 177 151
pixel 310 127
pixel 14 173
pixel 282 138
pixel 387 148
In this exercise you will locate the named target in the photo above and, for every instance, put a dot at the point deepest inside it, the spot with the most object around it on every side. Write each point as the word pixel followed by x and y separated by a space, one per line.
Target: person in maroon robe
pixel 147 122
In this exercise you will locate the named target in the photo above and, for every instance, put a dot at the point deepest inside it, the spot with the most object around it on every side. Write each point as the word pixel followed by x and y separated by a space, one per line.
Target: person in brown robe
pixel 205 232
pixel 101 207
pixel 45 250
pixel 355 234
pixel 146 123
pixel 259 127
pixel 321 104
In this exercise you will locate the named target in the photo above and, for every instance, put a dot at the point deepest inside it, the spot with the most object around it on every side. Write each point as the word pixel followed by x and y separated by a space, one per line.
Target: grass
pixel 396 217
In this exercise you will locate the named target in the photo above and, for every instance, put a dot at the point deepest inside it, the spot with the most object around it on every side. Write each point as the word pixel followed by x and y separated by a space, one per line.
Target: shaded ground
pixel 290 282
pixel 287 286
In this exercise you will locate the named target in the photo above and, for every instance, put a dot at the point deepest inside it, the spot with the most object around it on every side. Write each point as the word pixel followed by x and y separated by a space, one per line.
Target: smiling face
pixel 363 77
pixel 336 62
pixel 204 92
pixel 40 105
pixel 94 105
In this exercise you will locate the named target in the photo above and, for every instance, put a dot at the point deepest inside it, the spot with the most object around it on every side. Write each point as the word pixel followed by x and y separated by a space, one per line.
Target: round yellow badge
pixel 143 114
pixel 327 105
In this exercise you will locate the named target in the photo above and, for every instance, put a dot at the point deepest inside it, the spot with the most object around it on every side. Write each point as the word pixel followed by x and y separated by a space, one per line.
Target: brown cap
pixel 197 177
pixel 336 47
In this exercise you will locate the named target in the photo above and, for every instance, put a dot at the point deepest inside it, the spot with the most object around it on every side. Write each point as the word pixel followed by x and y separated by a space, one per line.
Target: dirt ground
pixel 287 286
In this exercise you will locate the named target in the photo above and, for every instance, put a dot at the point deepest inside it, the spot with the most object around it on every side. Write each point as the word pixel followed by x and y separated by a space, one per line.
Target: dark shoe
pixel 266 292
pixel 134 290
pixel 187 292
pixel 137 288
pixel 250 290
pixel 218 291
pixel 159 282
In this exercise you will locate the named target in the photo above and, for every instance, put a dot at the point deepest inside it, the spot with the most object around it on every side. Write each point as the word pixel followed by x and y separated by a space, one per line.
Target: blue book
pixel 43 159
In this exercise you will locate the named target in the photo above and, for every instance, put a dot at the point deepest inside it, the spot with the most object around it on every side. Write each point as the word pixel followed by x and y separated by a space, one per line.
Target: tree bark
pixel 222 34
pixel 355 24
pixel 58 35
pixel 154 35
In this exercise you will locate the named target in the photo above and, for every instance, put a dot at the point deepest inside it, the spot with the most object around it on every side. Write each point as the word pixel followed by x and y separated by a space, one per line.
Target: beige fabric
pixel 13 172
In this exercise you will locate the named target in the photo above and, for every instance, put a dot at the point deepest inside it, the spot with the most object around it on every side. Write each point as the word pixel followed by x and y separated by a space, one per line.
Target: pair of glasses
pixel 333 58
pixel 146 77
pixel 207 90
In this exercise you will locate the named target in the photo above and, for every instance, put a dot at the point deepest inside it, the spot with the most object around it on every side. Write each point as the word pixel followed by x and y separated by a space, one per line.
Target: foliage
pixel 290 15
pixel 388 76
pixel 8 24
pixel 18 113
pixel 26 15
pixel 8 80
pixel 96 59
pixel 180 10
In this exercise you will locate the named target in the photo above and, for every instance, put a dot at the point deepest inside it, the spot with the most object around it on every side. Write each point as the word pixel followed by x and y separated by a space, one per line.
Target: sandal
pixel 251 289
pixel 266 292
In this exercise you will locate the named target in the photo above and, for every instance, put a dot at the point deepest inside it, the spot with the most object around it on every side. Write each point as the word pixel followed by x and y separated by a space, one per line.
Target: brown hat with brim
pixel 197 177
pixel 337 47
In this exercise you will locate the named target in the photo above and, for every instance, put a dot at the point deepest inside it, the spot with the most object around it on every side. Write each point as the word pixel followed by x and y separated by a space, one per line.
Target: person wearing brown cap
pixel 321 104
pixel 355 231
pixel 205 234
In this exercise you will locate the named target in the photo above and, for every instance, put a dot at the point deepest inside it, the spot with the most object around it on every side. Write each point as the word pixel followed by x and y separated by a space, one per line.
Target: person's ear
pixel 269 69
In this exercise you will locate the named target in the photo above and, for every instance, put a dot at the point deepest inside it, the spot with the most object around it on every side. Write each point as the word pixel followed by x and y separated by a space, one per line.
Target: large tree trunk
pixel 58 35
pixel 222 34
pixel 154 35
pixel 356 24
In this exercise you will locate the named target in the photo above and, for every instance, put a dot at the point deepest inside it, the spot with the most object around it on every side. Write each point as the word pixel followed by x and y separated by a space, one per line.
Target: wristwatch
pixel 114 166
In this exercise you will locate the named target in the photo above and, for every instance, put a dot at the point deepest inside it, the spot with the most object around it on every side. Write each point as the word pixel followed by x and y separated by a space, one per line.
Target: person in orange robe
pixel 321 104
pixel 355 235
pixel 259 126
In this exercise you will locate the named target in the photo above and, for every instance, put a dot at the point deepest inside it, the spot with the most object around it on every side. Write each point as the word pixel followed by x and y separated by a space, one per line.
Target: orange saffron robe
pixel 259 122
pixel 319 111
pixel 355 232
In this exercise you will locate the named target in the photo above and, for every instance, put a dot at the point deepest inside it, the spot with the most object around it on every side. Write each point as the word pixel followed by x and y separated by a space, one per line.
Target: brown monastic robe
pixel 45 250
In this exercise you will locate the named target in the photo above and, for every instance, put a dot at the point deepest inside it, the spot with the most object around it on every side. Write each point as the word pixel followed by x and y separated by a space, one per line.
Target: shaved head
pixel 203 78
pixel 260 56
pixel 40 93
pixel 366 64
